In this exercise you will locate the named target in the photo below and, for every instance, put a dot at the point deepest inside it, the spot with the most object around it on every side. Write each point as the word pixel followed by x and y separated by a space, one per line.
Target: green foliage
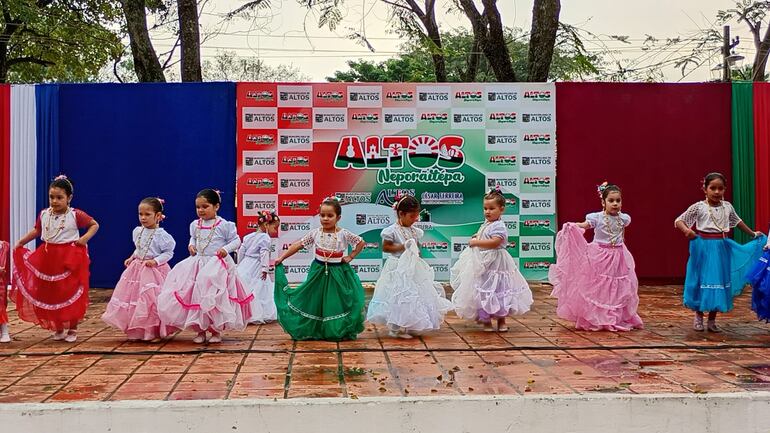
pixel 570 60
pixel 58 40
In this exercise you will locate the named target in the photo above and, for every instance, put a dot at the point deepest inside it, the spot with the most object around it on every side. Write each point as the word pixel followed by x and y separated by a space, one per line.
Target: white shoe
pixel 71 337
pixel 4 337
pixel 59 336
pixel 200 338
pixel 215 338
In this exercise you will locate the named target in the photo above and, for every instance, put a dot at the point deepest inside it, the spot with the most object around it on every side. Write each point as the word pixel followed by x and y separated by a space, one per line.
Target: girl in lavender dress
pixel 595 283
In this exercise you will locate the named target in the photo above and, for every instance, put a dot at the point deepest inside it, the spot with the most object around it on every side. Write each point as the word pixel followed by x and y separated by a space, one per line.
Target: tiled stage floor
pixel 540 355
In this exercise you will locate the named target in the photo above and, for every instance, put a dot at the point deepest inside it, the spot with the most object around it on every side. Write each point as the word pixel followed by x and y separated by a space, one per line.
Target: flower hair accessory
pixel 64 178
pixel 332 198
pixel 495 190
pixel 219 194
pixel 600 189
pixel 266 217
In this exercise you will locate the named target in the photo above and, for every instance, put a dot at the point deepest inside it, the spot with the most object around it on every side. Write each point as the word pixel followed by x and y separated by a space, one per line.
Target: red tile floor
pixel 541 354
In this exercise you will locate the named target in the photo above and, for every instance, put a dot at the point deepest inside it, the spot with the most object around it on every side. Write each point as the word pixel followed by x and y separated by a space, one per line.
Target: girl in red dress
pixel 50 285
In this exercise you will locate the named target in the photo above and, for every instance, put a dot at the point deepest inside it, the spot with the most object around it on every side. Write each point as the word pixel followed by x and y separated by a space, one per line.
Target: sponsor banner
pixel 364 96
pixel 440 268
pixel 259 118
pixel 296 272
pixel 295 96
pixel 254 161
pixel 370 143
pixel 536 246
pixel 295 183
pixel 367 269
pixel 295 139
pixel 537 268
pixel 253 204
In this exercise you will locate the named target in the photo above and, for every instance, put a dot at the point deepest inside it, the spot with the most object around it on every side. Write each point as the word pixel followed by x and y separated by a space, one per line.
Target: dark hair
pixel 267 217
pixel 711 177
pixel 333 202
pixel 497 196
pixel 211 196
pixel 608 189
pixel 406 204
pixel 154 202
pixel 62 182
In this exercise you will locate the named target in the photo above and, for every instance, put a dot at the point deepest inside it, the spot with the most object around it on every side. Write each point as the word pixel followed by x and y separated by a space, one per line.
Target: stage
pixel 540 355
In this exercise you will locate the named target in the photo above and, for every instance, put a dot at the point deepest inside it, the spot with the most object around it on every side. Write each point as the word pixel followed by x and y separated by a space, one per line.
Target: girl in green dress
pixel 329 304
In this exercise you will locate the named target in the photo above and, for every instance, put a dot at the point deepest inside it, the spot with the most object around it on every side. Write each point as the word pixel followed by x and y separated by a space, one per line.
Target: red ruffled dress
pixel 4 277
pixel 50 284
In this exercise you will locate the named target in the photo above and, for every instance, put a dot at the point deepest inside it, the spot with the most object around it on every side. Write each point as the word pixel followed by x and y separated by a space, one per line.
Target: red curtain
pixel 762 154
pixel 656 141
pixel 5 162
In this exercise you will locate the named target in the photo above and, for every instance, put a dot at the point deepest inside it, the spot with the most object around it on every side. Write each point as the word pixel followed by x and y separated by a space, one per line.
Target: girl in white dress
pixel 487 284
pixel 203 292
pixel 254 268
pixel 406 296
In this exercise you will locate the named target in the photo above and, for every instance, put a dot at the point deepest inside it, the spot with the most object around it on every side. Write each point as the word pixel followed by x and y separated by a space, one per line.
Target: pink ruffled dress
pixel 133 307
pixel 595 283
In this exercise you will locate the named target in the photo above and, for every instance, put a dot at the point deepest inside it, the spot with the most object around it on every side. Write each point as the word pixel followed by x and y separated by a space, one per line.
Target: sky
pixel 287 34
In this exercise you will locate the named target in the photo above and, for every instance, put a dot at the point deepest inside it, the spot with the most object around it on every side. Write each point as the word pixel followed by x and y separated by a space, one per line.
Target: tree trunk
pixel 495 48
pixel 146 63
pixel 472 65
pixel 542 37
pixel 431 26
pixel 190 39
pixel 760 59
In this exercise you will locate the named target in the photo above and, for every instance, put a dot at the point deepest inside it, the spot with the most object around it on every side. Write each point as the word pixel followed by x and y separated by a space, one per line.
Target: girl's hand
pixel 151 263
pixel 264 275
pixel 18 245
pixel 347 259
pixel 691 234
pixel 472 242
pixel 128 261
pixel 221 253
pixel 766 247
pixel 192 250
pixel 278 261
pixel 82 242
pixel 758 234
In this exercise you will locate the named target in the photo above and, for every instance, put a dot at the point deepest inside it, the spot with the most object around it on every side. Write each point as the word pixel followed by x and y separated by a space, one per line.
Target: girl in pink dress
pixel 596 283
pixel 133 306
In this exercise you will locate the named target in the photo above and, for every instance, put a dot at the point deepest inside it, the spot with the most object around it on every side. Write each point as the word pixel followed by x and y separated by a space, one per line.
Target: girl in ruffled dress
pixel 329 304
pixel 716 269
pixel 596 283
pixel 486 281
pixel 50 285
pixel 254 268
pixel 406 297
pixel 203 292
pixel 133 307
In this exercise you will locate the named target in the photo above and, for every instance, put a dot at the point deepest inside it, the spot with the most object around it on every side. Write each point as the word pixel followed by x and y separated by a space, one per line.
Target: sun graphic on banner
pixel 423 145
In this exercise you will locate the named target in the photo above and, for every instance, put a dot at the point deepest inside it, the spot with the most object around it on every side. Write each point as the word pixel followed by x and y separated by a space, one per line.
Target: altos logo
pixel 295 227
pixel 399 118
pixel 295 139
pixel 354 197
pixel 294 96
pixel 536 204
pixel 400 96
pixel 329 118
pixel 264 95
pixel 434 117
pixel 532 118
pixel 261 139
pixel 537 223
pixel 433 96
pixel 469 96
pixel 296 269
pixel 259 117
pixel 435 246
pixel 366 117
pixel 503 182
pixel 494 139
pixel 502 96
pixel 372 246
pixel 537 139
pixel 537 181
pixel 296 183
pixel 440 268
pixel 503 117
pixel 364 96
pixel 468 118
pixel 537 265
pixel 435 160
pixel 364 269
pixel 536 160
pixel 296 204
pixel 264 183
pixel 511 225
pixel 511 245
pixel 536 246
pixel 386 196
pixel 296 161
pixel 252 161
pixel 537 95
pixel 377 220
pixel 295 117
pixel 504 160
pixel 330 96
pixel 259 205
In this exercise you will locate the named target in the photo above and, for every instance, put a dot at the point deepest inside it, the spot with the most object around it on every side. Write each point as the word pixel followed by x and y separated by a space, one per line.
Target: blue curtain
pixel 123 142
pixel 48 144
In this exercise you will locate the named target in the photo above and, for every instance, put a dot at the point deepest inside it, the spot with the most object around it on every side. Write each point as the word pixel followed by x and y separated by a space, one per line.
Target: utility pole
pixel 725 54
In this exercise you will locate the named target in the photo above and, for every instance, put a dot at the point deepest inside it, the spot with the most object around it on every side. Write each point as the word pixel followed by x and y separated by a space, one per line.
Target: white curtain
pixel 23 161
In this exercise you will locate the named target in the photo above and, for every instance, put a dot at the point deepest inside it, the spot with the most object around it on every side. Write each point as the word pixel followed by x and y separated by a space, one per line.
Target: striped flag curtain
pixel 762 153
pixel 743 181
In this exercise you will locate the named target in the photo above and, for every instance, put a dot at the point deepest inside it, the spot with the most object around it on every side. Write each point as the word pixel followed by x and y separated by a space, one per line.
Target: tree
pixel 488 30
pixel 754 14
pixel 227 66
pixel 50 40
pixel 145 60
pixel 542 38
pixel 569 61
pixel 190 39
pixel 420 23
